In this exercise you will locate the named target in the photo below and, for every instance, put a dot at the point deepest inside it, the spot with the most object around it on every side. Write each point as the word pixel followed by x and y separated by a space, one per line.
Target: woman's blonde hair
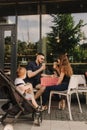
pixel 65 65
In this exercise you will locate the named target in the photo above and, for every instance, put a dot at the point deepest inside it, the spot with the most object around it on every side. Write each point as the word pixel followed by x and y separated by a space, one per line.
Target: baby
pixel 25 89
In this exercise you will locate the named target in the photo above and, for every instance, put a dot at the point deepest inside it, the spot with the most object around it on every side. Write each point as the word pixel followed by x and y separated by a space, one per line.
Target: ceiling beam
pixel 30 7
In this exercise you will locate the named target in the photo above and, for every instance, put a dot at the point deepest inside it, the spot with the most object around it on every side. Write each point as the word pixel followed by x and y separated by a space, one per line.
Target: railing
pixel 78 68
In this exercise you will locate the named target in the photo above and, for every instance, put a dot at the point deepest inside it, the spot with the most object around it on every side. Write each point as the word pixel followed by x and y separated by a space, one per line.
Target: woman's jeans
pixel 61 87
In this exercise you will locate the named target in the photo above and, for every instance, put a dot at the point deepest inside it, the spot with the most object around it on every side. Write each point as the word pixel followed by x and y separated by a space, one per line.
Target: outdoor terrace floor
pixel 57 117
pixel 57 114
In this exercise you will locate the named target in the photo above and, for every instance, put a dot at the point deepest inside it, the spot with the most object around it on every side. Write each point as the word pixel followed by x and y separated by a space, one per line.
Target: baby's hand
pixel 28 90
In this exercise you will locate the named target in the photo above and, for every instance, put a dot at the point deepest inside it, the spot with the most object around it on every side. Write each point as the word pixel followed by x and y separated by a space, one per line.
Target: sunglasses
pixel 42 59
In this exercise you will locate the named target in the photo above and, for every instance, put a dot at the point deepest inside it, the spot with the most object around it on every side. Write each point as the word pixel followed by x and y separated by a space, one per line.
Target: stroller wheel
pixel 8 127
pixel 37 119
pixel 37 122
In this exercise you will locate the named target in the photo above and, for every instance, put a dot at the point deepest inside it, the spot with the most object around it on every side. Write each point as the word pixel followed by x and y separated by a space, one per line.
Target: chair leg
pixel 49 103
pixel 41 100
pixel 80 108
pixel 70 99
pixel 69 108
pixel 86 97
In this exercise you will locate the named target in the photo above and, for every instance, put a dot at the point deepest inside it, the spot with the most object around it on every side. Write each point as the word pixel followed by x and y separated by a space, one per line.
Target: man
pixel 34 72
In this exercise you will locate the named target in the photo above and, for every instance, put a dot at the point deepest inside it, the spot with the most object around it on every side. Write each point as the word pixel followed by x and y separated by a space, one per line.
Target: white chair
pixel 82 87
pixel 72 88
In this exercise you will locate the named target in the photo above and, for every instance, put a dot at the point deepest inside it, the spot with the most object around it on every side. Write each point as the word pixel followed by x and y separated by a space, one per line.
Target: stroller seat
pixel 17 105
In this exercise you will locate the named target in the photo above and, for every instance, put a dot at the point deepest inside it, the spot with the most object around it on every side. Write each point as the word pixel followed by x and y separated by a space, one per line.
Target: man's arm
pixel 32 74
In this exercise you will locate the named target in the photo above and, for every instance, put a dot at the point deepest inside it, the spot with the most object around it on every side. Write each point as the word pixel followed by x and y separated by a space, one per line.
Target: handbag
pixel 49 81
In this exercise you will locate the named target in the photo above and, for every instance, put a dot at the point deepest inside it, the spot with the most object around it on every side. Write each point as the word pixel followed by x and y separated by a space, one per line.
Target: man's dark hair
pixel 39 53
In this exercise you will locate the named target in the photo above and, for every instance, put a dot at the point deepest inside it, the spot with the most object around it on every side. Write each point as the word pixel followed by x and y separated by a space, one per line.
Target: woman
pixel 65 72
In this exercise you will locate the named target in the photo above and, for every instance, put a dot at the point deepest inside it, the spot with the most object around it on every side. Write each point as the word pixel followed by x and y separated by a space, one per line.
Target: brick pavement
pixel 57 119
pixel 57 114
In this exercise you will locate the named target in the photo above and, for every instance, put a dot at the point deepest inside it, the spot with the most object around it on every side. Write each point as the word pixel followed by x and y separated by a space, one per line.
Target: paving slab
pixel 50 125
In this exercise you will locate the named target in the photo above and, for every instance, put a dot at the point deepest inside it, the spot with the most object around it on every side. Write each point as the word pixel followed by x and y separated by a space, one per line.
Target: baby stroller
pixel 17 105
